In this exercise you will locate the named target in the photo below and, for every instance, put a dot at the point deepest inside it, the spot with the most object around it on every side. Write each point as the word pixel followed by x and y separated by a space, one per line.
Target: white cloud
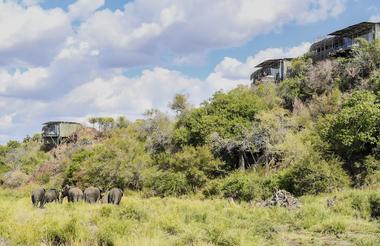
pixel 30 35
pixel 81 9
pixel 321 10
pixel 154 88
pixel 138 35
pixel 21 80
pixel 230 72
pixel 121 94
pixel 4 138
pixel 375 18
pixel 6 121
pixel 146 29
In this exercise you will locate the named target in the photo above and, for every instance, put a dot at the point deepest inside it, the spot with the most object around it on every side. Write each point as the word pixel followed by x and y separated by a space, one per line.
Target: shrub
pixel 225 114
pixel 219 235
pixel 310 178
pixel 333 227
pixel 328 103
pixel 197 163
pixel 13 144
pixel 133 212
pixel 62 234
pixel 374 203
pixel 322 76
pixel 366 56
pixel 356 129
pixel 213 188
pixel 289 90
pixel 244 187
pixel 360 204
pixel 373 179
pixel 14 179
pixel 167 183
pixel 238 186
pixel 366 171
pixel 116 162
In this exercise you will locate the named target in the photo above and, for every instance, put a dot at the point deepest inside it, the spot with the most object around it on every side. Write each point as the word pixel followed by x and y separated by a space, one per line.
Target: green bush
pixel 373 179
pixel 197 163
pixel 239 186
pixel 374 82
pixel 360 204
pixel 355 130
pixel 374 204
pixel 225 114
pixel 167 183
pixel 133 212
pixel 333 227
pixel 213 188
pixel 243 187
pixel 310 178
pixel 62 234
pixel 116 162
pixel 367 171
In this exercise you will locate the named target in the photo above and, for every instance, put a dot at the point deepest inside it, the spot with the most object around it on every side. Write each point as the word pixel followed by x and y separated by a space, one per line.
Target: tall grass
pixel 188 221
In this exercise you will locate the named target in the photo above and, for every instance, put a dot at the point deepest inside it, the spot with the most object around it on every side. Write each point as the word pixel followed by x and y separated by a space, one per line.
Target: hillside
pixel 188 221
pixel 201 177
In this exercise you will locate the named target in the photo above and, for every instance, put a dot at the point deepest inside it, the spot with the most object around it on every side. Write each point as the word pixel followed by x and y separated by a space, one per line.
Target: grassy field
pixel 188 221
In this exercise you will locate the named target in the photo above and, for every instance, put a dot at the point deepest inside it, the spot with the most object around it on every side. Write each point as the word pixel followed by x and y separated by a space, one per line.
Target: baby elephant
pixel 38 197
pixel 51 195
pixel 92 195
pixel 115 195
pixel 73 194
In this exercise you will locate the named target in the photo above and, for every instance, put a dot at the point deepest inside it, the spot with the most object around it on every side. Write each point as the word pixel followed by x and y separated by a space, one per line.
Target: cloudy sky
pixel 71 59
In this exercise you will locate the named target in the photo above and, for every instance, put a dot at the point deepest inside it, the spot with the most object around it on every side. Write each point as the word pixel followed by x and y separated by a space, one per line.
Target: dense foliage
pixel 317 131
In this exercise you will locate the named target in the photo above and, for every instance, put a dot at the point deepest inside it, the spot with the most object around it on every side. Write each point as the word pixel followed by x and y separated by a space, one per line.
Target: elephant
pixel 92 195
pixel 38 197
pixel 115 195
pixel 73 194
pixel 51 195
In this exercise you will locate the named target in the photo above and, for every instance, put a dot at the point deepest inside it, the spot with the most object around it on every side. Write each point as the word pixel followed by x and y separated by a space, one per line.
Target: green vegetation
pixel 315 135
pixel 188 221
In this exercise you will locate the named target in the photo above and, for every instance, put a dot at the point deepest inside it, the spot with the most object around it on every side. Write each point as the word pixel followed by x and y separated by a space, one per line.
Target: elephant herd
pixel 91 195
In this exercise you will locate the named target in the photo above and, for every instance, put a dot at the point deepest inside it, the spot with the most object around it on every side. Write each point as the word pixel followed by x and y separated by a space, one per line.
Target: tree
pixel 364 62
pixel 295 86
pixel 225 113
pixel 156 130
pixel 13 144
pixel 322 77
pixel 258 143
pixel 93 121
pixel 180 104
pixel 122 122
pixel 104 123
pixel 366 56
pixel 355 130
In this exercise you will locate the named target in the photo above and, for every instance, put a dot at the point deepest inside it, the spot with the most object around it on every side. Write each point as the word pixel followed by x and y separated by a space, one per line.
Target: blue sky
pixel 71 59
